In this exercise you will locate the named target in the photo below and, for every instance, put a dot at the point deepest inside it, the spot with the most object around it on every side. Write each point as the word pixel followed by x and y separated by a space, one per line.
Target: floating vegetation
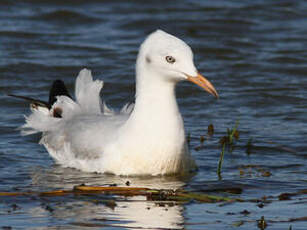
pixel 227 141
pixel 202 138
pixel 232 134
pixel 288 196
pixel 210 130
pixel 110 196
pixel 154 194
pixel 210 133
pixel 251 169
pixel 219 167
pixel 262 224
pixel 249 146
pixel 238 223
pixel 150 194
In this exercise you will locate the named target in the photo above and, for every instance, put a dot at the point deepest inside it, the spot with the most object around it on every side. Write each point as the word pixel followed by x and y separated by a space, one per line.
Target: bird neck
pixel 155 99
pixel 156 108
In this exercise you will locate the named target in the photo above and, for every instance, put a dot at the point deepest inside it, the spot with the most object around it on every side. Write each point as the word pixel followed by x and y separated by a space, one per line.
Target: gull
pixel 146 138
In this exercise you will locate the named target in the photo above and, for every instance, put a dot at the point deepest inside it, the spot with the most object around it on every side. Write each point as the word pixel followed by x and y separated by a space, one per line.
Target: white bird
pixel 148 139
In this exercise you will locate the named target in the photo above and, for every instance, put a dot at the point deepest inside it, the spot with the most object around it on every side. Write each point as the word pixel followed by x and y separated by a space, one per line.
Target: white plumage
pixel 146 139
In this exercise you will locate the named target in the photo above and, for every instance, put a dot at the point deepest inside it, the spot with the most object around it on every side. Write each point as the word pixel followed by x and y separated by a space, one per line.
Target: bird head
pixel 170 59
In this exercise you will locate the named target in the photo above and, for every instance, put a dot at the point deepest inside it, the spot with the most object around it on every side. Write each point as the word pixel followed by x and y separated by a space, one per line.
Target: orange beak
pixel 204 83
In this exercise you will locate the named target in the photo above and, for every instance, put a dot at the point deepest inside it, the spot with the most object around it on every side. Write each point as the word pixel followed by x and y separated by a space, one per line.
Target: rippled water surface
pixel 254 52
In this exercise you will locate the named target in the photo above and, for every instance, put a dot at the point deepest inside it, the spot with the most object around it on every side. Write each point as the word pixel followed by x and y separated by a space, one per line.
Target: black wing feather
pixel 58 88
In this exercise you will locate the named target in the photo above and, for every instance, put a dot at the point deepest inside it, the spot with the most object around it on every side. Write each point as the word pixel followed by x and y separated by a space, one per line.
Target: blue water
pixel 255 54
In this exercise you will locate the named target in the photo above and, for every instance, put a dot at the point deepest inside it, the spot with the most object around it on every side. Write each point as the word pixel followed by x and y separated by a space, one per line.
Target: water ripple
pixel 66 17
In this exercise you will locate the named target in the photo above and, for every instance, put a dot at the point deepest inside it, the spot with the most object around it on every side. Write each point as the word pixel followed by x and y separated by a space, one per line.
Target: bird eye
pixel 170 59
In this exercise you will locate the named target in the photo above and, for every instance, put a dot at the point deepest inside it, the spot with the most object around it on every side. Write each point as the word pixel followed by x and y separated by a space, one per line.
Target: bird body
pixel 145 139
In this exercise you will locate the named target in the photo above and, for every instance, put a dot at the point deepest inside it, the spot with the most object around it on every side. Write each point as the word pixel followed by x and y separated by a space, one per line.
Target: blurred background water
pixel 254 52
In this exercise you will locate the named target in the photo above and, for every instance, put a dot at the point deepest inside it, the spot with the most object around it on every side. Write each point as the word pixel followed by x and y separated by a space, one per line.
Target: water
pixel 254 52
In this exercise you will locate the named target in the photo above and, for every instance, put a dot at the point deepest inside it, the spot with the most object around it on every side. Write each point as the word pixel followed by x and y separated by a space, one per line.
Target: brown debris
pixel 245 212
pixel 285 196
pixel 236 135
pixel 210 130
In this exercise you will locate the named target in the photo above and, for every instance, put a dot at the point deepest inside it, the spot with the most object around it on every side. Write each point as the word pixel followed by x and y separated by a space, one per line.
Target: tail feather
pixel 31 100
pixel 87 92
pixel 45 115
pixel 58 89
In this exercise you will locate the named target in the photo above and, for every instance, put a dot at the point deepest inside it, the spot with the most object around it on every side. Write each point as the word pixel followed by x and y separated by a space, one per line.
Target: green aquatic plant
pixel 227 141
pixel 219 167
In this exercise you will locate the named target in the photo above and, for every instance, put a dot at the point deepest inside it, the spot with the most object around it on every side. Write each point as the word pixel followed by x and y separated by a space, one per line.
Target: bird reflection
pixel 105 210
